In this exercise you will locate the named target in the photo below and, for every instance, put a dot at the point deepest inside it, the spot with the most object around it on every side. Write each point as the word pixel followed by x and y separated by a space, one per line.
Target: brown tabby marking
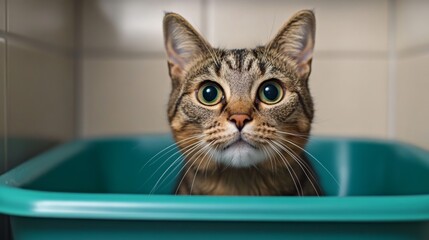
pixel 242 145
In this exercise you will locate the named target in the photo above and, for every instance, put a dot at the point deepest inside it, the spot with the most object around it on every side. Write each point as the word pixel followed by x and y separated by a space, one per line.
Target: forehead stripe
pixel 249 65
pixel 176 105
pixel 304 107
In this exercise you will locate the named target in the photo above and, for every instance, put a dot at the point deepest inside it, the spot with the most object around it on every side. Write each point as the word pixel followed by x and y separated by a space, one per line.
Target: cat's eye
pixel 209 93
pixel 270 92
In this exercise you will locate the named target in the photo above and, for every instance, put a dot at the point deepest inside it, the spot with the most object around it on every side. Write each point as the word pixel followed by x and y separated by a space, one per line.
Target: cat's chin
pixel 240 154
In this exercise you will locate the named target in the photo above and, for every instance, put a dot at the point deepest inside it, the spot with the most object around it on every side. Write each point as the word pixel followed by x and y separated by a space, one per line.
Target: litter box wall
pixel 36 79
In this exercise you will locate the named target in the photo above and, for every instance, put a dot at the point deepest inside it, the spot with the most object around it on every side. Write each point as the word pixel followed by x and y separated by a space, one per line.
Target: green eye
pixel 270 92
pixel 209 94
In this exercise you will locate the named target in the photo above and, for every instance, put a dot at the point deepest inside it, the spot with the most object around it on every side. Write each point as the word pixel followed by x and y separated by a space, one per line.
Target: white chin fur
pixel 240 155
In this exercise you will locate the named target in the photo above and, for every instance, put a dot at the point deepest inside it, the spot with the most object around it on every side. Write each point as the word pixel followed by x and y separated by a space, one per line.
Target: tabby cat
pixel 242 117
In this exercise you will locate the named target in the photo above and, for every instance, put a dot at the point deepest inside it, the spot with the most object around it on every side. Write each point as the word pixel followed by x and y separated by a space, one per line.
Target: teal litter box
pixel 99 189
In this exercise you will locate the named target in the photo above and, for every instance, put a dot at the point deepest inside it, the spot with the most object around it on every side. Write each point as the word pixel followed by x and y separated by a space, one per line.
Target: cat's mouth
pixel 240 143
pixel 240 153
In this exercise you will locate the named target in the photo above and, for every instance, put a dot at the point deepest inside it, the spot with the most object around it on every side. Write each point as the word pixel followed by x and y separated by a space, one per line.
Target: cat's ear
pixel 182 43
pixel 296 40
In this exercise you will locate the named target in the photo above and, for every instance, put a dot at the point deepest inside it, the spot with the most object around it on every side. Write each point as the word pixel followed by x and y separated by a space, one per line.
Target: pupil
pixel 271 92
pixel 210 93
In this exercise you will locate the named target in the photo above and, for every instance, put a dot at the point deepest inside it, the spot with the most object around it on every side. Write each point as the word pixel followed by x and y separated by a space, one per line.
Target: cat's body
pixel 242 117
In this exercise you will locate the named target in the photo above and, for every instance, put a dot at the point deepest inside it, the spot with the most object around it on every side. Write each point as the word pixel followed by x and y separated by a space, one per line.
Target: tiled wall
pixel 39 75
pixel 412 101
pixel 125 80
pixel 36 79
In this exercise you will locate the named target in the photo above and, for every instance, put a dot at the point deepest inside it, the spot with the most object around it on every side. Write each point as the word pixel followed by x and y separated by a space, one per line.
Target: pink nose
pixel 240 120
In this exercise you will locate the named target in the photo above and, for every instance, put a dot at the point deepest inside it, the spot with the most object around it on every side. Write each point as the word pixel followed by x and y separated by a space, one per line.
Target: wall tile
pixel 130 25
pixel 125 96
pixel 412 17
pixel 2 106
pixel 49 21
pixel 3 15
pixel 40 100
pixel 412 100
pixel 341 25
pixel 350 97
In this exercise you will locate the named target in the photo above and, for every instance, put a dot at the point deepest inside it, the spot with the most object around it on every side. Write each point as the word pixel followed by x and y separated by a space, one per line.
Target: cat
pixel 242 117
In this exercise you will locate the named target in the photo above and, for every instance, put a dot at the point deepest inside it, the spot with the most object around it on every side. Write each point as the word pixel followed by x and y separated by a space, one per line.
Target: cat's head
pixel 240 107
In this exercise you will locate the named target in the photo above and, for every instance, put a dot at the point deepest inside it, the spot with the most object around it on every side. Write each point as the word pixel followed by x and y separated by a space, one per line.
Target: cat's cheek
pixel 176 125
pixel 304 125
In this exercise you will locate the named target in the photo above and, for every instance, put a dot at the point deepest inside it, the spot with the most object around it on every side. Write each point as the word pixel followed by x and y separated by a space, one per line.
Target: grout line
pixel 204 27
pixel 209 21
pixel 106 53
pixel 4 113
pixel 414 51
pixel 5 227
pixel 109 53
pixel 35 43
pixel 392 71
pixel 6 103
pixel 78 71
pixel 354 54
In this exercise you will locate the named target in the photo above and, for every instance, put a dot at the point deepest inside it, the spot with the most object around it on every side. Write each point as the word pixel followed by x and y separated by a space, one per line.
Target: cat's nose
pixel 240 120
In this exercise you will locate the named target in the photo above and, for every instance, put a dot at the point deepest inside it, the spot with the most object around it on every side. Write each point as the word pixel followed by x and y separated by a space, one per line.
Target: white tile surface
pixel 50 21
pixel 40 94
pixel 341 25
pixel 412 23
pixel 125 96
pixel 132 25
pixel 413 100
pixel 3 15
pixel 350 97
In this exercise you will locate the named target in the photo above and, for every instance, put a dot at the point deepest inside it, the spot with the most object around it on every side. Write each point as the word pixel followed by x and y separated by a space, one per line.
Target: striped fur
pixel 271 161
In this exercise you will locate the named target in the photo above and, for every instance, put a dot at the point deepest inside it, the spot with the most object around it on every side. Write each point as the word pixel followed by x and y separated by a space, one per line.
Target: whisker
pixel 305 165
pixel 184 155
pixel 303 136
pixel 311 155
pixel 182 169
pixel 288 168
pixel 198 167
pixel 299 161
pixel 177 165
pixel 172 146
pixel 189 168
pixel 201 161
pixel 264 149
pixel 195 146
pixel 272 158
pixel 212 153
pixel 187 148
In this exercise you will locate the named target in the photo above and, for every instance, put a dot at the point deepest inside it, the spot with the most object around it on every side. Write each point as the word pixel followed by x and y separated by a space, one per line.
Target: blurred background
pixel 94 68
